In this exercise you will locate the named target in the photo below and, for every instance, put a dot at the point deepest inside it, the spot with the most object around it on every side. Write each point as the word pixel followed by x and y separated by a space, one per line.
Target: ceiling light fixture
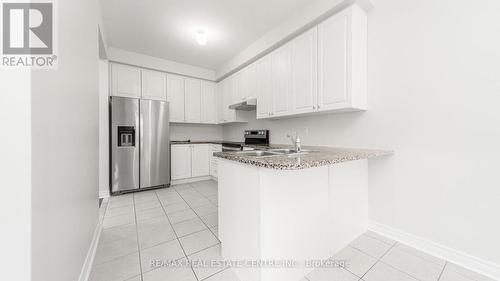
pixel 201 37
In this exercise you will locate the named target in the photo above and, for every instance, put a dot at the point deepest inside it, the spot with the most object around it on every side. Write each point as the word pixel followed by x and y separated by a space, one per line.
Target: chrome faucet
pixel 296 142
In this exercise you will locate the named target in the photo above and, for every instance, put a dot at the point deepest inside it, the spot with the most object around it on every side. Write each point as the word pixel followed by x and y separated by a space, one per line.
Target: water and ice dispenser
pixel 126 136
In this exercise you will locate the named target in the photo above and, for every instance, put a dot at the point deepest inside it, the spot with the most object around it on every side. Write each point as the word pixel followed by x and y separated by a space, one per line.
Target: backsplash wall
pixel 195 132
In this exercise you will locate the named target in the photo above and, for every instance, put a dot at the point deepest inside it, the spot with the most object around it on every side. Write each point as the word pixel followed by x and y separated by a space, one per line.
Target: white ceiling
pixel 166 28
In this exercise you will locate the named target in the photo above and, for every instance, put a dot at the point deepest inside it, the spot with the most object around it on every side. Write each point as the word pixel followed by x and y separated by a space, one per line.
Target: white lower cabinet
pixel 180 161
pixel 190 161
pixel 213 160
pixel 200 165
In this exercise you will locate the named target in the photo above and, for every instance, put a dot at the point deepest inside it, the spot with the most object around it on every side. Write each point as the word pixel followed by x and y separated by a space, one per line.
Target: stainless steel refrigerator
pixel 139 139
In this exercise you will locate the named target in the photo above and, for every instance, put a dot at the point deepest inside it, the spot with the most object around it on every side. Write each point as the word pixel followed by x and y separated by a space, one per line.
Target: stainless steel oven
pixel 232 146
pixel 257 137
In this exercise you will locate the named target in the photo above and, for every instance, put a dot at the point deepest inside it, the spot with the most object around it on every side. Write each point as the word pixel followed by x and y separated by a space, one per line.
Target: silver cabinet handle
pixel 314 107
pixel 318 106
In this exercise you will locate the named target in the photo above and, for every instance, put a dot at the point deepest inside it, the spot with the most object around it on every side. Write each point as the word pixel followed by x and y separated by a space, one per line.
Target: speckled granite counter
pixel 318 156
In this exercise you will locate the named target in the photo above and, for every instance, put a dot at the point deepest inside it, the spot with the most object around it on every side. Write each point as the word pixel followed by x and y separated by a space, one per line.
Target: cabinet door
pixel 181 161
pixel 154 85
pixel 193 100
pixel 220 102
pixel 249 81
pixel 125 81
pixel 236 88
pixel 208 103
pixel 304 72
pixel 175 96
pixel 200 161
pixel 281 75
pixel 228 114
pixel 264 87
pixel 333 62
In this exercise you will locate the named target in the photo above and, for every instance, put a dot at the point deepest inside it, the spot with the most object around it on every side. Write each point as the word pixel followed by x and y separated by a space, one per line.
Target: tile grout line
pixel 406 273
pixel 177 237
pixel 417 256
pixel 397 269
pixel 441 274
pixel 224 269
pixel 137 237
pixel 405 250
pixel 216 236
pixel 378 260
pixel 209 229
pixel 380 240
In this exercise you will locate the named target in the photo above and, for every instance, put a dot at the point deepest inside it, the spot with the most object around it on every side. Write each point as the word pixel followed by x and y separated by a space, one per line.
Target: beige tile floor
pixel 180 224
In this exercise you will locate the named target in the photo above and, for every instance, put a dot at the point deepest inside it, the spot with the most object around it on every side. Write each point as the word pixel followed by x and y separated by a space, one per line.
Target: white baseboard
pixel 473 263
pixel 89 260
pixel 189 180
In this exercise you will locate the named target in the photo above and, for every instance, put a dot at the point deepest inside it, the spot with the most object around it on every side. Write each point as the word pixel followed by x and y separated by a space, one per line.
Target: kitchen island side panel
pixel 239 216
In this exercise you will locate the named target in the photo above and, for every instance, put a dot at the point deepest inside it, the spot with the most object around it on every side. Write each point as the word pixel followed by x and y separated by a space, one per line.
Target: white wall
pixel 15 172
pixel 141 60
pixel 195 132
pixel 65 148
pixel 434 97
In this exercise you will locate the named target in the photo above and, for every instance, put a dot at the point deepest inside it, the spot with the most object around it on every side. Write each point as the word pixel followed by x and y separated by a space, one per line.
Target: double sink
pixel 273 152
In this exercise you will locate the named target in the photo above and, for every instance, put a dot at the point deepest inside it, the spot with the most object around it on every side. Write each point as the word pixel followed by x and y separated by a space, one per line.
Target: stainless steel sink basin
pixel 258 153
pixel 273 152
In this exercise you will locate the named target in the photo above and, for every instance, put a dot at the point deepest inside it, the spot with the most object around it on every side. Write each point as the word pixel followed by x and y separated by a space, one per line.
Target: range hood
pixel 246 104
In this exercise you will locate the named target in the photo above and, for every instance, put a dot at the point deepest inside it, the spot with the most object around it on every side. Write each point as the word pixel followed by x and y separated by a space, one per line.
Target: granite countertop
pixel 318 156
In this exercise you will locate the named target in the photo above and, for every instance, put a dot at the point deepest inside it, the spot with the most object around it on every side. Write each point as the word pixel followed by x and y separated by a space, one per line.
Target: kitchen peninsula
pixel 280 204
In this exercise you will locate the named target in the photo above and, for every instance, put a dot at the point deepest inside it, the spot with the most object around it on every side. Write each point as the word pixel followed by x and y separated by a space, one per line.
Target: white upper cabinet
pixel 220 101
pixel 175 96
pixel 333 55
pixel 282 80
pixel 192 100
pixel 264 87
pixel 236 91
pixel 249 81
pixel 125 81
pixel 227 99
pixel 305 72
pixel 154 85
pixel 208 103
pixel 342 47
